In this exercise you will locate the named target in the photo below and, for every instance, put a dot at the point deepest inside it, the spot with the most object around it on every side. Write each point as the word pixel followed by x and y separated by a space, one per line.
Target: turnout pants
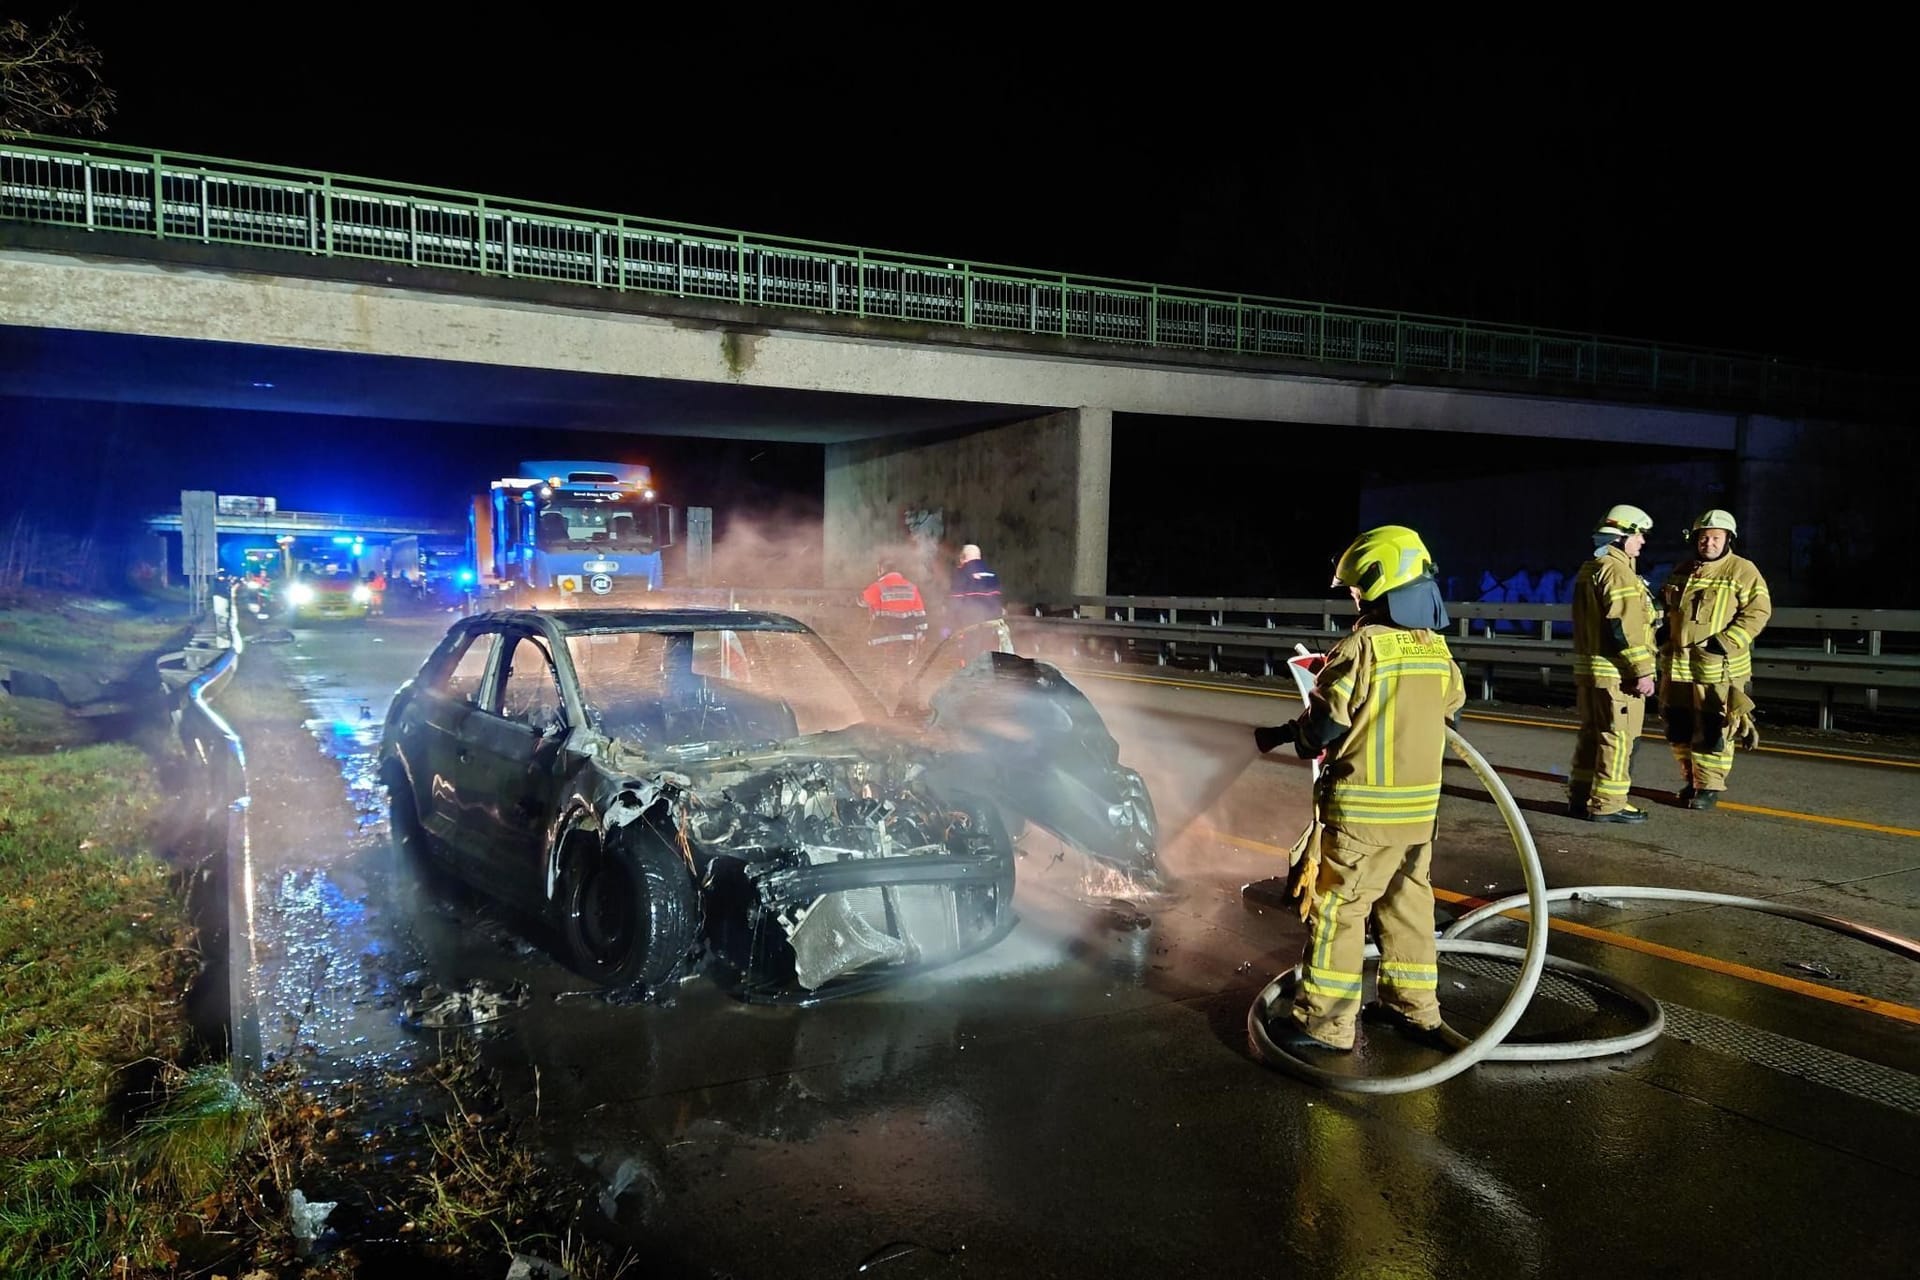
pixel 1697 732
pixel 891 654
pixel 1391 882
pixel 1610 724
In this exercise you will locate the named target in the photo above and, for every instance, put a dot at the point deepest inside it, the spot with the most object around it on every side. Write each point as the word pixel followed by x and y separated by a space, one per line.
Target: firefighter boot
pixel 1289 1036
pixel 1436 1036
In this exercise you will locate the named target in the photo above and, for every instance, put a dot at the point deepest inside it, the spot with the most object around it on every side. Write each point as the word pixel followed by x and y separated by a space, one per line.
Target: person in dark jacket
pixel 975 595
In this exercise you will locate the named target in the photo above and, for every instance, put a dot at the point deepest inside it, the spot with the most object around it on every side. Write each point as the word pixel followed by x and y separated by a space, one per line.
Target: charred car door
pixel 512 744
pixel 430 729
pixel 1018 730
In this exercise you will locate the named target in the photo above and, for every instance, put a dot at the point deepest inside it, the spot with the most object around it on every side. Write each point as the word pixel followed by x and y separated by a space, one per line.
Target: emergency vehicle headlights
pixel 300 593
pixel 646 495
pixel 362 594
pixel 546 491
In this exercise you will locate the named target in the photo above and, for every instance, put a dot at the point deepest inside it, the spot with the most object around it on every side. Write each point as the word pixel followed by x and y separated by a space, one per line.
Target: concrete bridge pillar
pixel 1033 495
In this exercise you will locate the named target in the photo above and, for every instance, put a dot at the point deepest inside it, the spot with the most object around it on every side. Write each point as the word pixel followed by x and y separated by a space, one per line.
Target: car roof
pixel 585 621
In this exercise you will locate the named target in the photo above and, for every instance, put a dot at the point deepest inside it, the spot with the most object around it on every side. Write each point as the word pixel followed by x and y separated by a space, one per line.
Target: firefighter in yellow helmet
pixel 1379 709
pixel 1613 668
pixel 1716 606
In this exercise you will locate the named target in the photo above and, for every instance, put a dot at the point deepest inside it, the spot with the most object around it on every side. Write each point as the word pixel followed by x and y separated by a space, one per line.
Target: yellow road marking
pixel 1736 806
pixel 1890 761
pixel 1885 1008
pixel 1815 817
pixel 1649 793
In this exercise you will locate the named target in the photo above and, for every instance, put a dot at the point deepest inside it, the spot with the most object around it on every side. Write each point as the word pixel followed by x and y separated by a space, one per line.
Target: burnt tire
pixel 628 911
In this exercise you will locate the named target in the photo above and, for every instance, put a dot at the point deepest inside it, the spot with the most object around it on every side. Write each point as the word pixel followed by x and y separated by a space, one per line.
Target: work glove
pixel 1714 647
pixel 1741 729
pixel 1303 869
pixel 1273 735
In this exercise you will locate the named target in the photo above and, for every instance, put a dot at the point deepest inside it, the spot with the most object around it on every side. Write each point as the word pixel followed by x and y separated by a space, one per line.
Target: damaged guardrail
pixel 1489 636
pixel 220 764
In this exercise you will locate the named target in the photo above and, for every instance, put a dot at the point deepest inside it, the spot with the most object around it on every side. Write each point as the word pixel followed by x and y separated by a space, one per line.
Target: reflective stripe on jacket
pixel 895 611
pixel 1606 590
pixel 1722 600
pixel 1394 689
pixel 891 593
pixel 975 594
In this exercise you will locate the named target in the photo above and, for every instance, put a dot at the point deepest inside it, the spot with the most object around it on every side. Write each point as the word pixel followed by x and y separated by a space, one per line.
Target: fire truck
pixel 583 532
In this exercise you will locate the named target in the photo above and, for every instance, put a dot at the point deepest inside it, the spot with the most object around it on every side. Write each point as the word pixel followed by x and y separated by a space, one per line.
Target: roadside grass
pixel 33 724
pixel 87 647
pixel 489 1189
pixel 96 954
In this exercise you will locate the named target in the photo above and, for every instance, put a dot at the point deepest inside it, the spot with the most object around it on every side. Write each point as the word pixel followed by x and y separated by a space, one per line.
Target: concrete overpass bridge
pixel 300 534
pixel 987 394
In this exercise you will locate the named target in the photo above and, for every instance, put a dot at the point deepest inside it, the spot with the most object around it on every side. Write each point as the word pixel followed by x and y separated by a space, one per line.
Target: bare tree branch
pixel 50 79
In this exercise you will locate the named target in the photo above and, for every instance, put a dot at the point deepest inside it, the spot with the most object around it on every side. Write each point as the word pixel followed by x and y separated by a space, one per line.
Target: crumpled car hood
pixel 885 845
pixel 1017 729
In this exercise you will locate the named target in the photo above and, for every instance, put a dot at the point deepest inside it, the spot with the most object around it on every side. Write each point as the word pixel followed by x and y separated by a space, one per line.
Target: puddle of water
pixel 334 922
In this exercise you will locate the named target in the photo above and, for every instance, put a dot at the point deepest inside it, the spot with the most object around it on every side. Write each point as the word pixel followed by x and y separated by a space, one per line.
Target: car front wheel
pixel 628 911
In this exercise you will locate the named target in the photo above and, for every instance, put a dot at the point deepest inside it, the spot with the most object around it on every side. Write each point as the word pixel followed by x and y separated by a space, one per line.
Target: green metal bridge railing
pixel 108 188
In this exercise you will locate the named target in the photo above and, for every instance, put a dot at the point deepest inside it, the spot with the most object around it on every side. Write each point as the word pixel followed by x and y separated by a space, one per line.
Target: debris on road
pixel 1813 967
pixel 309 1216
pixel 477 1003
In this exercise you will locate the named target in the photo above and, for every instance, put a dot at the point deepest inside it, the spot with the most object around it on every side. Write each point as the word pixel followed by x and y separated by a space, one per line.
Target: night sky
pixel 1734 190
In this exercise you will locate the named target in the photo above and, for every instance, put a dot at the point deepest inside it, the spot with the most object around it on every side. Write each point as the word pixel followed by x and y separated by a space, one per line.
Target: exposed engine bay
pixel 855 861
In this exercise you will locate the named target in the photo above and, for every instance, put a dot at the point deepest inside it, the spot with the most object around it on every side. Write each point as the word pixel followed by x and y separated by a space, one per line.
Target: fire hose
pixel 1489 1045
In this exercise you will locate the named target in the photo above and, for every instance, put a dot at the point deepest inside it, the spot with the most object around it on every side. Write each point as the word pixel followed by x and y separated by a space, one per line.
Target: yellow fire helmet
pixel 1715 519
pixel 1381 559
pixel 1624 521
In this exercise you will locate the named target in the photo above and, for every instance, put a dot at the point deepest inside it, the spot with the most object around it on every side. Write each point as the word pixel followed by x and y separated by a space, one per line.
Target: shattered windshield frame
pixel 678 688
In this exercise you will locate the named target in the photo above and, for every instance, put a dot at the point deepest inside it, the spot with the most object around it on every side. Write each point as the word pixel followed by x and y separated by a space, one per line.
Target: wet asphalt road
pixel 1079 1099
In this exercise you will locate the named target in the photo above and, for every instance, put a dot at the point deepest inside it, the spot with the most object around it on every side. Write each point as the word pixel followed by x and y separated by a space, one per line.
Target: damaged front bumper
pixel 887 917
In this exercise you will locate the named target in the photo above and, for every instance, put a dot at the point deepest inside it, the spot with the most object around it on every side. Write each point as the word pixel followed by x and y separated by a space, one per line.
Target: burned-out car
pixel 666 788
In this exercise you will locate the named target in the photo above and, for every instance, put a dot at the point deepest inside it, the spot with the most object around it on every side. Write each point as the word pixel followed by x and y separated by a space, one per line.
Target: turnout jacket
pixel 1379 706
pixel 1715 611
pixel 1612 620
pixel 894 607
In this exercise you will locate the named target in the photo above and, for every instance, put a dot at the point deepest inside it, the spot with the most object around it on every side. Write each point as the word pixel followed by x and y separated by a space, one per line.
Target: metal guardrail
pixel 107 188
pixel 1265 631
pixel 222 761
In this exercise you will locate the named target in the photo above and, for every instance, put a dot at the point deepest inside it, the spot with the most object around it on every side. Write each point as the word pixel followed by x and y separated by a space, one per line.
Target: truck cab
pixel 562 531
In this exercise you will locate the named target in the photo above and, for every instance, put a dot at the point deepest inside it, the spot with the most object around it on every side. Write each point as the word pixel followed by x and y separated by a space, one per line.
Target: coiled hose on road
pixel 1489 1044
